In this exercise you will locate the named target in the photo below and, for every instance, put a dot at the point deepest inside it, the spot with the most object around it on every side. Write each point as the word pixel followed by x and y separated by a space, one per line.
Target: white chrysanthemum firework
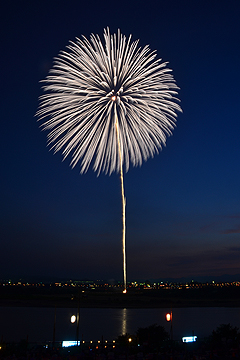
pixel 108 105
pixel 91 85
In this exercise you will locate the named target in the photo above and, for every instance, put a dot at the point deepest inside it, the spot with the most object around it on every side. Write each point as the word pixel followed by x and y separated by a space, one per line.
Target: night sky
pixel 183 206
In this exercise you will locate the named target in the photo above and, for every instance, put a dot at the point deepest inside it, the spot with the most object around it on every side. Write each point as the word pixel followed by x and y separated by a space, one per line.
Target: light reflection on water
pixel 18 323
pixel 124 321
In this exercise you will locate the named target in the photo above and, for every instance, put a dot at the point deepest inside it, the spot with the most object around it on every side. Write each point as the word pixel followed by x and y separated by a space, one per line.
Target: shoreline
pixel 65 298
pixel 136 305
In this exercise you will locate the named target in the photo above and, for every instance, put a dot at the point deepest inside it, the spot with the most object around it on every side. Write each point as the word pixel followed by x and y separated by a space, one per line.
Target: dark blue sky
pixel 183 206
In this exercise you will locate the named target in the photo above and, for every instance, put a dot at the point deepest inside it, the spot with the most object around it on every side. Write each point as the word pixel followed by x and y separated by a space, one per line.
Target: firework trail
pixel 123 208
pixel 108 105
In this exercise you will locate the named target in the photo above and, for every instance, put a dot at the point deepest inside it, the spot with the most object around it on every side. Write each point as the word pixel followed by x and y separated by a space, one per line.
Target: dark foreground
pixel 167 350
pixel 106 298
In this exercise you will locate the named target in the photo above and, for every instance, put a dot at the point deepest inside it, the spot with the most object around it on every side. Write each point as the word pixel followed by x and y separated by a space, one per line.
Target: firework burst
pixel 109 105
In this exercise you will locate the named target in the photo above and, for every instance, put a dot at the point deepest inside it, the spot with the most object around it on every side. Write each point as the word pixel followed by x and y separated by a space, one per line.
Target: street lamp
pixel 169 318
pixel 74 319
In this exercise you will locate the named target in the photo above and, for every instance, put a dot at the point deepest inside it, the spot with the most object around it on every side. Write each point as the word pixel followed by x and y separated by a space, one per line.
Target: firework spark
pixel 108 105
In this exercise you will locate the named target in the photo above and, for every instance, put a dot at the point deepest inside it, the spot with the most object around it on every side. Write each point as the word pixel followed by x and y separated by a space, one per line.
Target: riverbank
pixel 70 298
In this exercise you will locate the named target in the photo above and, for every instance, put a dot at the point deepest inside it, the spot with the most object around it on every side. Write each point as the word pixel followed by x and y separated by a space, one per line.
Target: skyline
pixel 183 214
pixel 223 280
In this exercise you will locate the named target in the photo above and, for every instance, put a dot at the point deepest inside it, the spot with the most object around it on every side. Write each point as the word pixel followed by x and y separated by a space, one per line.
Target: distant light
pixel 70 343
pixel 73 319
pixel 188 339
pixel 129 339
pixel 113 98
pixel 124 291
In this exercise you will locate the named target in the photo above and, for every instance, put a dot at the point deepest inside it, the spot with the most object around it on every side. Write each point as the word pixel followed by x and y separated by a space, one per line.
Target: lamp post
pixel 78 316
pixel 54 329
pixel 75 318
pixel 169 318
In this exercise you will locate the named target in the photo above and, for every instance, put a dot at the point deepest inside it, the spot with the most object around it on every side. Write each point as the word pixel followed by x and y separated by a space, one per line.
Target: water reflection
pixel 124 321
pixel 36 324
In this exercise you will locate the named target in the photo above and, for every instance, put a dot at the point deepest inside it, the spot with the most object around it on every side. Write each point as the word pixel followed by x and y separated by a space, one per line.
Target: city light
pixel 70 343
pixel 188 339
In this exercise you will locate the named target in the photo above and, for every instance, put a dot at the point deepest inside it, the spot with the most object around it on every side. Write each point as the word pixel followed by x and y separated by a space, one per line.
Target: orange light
pixel 168 317
pixel 124 291
pixel 113 98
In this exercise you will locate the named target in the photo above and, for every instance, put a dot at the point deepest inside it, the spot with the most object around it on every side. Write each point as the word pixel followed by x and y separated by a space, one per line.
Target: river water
pixel 37 324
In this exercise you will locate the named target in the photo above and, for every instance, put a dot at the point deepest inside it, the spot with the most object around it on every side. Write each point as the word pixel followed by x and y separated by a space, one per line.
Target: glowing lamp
pixel 168 317
pixel 73 319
